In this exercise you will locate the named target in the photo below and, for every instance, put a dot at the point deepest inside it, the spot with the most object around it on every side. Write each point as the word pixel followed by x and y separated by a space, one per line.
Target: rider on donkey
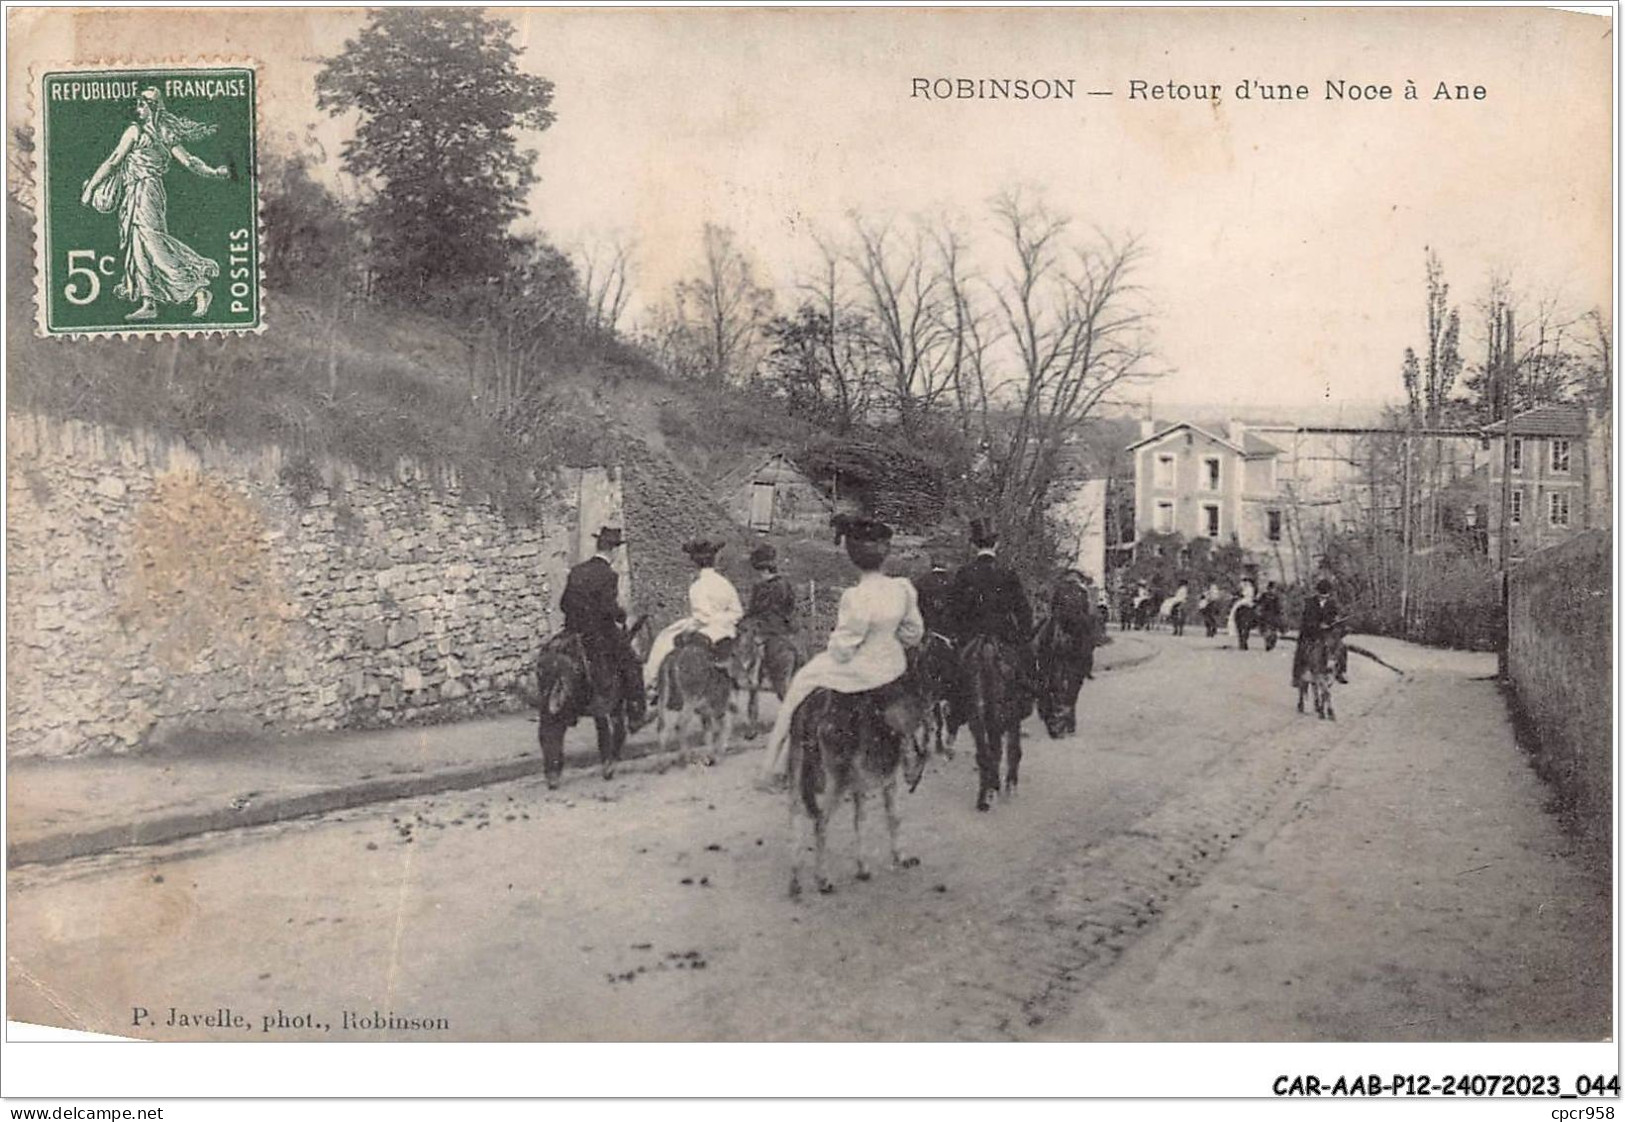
pixel 1072 604
pixel 1321 617
pixel 592 609
pixel 878 617
pixel 1269 607
pixel 714 610
pixel 1245 598
pixel 772 610
pixel 988 600
pixel 936 592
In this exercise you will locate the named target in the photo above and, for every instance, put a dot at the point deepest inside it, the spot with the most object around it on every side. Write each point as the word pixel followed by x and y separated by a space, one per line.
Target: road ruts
pixel 1073 923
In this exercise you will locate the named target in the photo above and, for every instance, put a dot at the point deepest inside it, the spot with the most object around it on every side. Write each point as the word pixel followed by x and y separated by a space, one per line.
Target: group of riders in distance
pixel 908 663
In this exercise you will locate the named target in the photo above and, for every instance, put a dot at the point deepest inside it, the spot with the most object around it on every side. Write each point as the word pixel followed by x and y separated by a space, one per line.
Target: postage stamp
pixel 149 200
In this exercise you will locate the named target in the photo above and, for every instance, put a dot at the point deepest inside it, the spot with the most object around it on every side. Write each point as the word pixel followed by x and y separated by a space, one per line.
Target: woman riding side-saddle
pixel 878 618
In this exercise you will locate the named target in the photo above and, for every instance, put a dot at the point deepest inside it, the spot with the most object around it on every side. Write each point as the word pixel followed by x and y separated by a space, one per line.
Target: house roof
pixel 776 467
pixel 1258 446
pixel 1156 436
pixel 1544 420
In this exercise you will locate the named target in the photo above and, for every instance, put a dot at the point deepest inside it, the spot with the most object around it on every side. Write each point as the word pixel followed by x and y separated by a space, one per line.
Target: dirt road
pixel 654 907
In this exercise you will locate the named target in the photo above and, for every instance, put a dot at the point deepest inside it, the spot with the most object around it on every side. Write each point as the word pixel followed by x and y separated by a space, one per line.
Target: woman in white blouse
pixel 714 609
pixel 879 616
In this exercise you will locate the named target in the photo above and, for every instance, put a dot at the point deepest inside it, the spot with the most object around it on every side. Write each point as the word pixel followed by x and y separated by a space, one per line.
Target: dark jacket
pixel 988 600
pixel 772 606
pixel 1318 618
pixel 936 596
pixel 589 602
pixel 1269 607
pixel 1072 607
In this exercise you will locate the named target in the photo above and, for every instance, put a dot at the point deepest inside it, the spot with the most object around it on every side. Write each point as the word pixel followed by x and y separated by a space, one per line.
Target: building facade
pixel 1199 484
pixel 1554 493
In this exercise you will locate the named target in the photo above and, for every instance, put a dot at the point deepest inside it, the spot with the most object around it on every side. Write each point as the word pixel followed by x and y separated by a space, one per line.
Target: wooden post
pixel 1509 371
pixel 1405 530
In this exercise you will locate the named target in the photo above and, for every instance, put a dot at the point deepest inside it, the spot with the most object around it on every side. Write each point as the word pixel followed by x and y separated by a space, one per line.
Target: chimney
pixel 1238 430
pixel 1147 428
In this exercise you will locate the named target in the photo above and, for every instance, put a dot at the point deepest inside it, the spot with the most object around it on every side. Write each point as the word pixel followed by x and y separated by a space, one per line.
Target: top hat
pixel 763 557
pixel 608 537
pixel 982 534
pixel 702 550
pixel 1323 585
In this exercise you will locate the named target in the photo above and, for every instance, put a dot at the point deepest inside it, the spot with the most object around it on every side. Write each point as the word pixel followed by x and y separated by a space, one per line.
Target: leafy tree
pixel 441 98
pixel 311 243
pixel 823 367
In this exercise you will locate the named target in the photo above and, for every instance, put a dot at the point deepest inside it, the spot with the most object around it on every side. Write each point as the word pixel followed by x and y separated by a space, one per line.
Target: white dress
pixel 879 616
pixel 714 610
pixel 1248 593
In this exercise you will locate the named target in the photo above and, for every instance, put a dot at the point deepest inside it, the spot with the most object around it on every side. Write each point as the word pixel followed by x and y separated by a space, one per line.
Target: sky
pixel 1284 239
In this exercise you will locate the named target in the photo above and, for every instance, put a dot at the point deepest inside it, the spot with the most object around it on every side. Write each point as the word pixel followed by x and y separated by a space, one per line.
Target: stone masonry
pixel 158 591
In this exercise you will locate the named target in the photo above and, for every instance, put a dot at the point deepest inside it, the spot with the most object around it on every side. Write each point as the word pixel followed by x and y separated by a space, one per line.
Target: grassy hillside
pixel 378 382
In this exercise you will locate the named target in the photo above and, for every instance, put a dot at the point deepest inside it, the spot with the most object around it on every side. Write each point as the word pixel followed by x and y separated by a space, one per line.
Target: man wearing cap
pixel 714 609
pixel 988 600
pixel 936 591
pixel 592 609
pixel 772 610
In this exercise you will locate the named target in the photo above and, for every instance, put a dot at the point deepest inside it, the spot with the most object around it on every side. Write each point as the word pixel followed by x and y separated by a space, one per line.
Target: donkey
pixel 934 665
pixel 1317 665
pixel 693 681
pixel 766 662
pixel 995 709
pixel 848 746
pixel 570 686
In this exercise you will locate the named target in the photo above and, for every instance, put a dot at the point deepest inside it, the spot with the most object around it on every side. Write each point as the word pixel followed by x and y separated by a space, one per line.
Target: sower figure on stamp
pixel 157 265
pixel 592 609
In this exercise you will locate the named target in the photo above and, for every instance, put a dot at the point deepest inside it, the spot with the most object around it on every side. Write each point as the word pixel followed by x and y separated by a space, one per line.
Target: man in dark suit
pixel 936 590
pixel 988 599
pixel 772 610
pixel 592 609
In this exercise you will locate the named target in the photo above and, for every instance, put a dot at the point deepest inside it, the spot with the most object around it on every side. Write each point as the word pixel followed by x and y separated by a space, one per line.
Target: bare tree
pixel 906 295
pixel 605 268
pixel 850 356
pixel 1443 343
pixel 20 165
pixel 1598 361
pixel 1076 327
pixel 972 330
pixel 724 309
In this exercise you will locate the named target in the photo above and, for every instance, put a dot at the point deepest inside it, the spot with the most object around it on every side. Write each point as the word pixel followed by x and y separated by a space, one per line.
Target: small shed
pixel 773 496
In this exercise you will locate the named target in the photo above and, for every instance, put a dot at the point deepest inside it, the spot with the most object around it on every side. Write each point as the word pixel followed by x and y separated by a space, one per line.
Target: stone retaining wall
pixel 1560 658
pixel 157 591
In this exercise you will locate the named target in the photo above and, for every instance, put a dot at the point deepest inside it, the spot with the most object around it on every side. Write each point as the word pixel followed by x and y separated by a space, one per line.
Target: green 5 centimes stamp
pixel 148 206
